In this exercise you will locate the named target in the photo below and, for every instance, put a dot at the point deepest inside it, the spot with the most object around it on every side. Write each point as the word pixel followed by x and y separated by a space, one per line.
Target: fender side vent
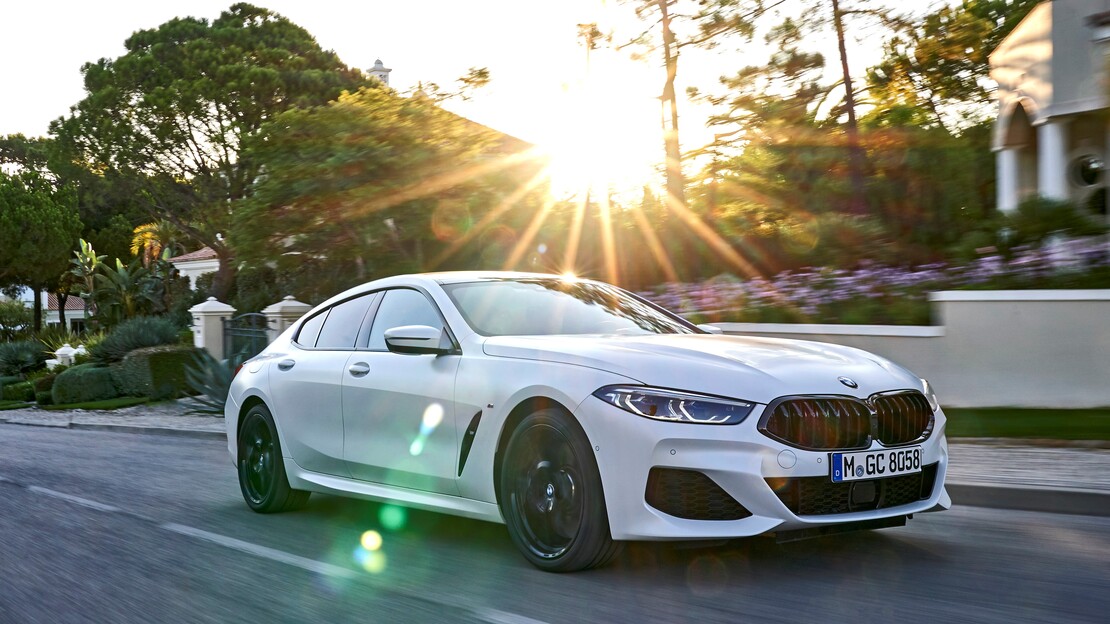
pixel 468 441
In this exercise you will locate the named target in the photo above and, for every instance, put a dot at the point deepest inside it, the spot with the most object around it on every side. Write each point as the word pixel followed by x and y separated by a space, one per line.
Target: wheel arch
pixel 522 409
pixel 248 403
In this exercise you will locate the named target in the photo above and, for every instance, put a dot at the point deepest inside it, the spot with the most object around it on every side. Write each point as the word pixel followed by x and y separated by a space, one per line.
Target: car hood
pixel 754 369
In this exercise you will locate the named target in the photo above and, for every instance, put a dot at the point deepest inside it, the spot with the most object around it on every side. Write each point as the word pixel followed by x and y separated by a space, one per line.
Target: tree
pixel 940 63
pixel 169 118
pixel 375 184
pixel 38 227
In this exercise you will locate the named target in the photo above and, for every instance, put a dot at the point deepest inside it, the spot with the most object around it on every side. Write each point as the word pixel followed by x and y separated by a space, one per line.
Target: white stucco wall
pixel 993 348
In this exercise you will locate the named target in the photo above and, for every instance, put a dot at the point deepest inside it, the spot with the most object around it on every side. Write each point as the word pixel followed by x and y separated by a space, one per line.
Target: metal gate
pixel 245 336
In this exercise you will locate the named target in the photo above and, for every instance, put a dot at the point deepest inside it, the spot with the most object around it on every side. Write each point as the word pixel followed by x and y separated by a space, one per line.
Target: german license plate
pixel 875 464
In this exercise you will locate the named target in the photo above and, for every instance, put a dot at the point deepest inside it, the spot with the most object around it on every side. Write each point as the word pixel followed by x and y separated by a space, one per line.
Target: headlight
pixel 931 396
pixel 673 406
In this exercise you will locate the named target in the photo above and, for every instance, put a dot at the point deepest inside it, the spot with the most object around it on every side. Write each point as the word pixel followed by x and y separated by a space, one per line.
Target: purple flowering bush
pixel 883 295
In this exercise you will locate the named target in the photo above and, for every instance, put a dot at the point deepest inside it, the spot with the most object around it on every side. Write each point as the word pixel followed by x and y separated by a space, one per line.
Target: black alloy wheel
pixel 551 495
pixel 262 475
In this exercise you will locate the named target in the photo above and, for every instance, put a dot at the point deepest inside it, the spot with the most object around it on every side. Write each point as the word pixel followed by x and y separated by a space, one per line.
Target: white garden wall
pixel 1024 348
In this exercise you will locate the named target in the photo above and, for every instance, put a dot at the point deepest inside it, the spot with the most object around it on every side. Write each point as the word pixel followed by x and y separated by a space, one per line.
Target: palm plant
pixel 126 292
pixel 152 240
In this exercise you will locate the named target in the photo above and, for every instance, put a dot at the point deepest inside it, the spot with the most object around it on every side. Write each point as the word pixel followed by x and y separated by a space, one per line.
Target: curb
pixel 165 431
pixel 1028 498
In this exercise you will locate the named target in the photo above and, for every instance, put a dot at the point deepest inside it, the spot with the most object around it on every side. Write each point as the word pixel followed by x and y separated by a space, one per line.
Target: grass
pixel 10 405
pixel 1012 422
pixel 107 404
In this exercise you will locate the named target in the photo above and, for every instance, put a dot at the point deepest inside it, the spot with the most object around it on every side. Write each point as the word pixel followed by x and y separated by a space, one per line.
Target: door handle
pixel 359 369
pixel 286 364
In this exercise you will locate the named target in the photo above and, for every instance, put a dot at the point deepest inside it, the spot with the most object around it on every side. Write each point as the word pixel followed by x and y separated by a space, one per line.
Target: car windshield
pixel 546 306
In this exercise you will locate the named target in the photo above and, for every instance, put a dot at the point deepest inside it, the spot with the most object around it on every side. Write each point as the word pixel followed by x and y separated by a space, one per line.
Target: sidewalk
pixel 1009 474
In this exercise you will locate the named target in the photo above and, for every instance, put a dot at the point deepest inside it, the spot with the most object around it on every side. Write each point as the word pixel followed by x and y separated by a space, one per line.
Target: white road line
pixel 84 502
pixel 493 616
pixel 262 551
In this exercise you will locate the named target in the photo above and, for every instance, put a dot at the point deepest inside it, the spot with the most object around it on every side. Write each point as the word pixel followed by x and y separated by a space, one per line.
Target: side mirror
pixel 418 339
pixel 710 329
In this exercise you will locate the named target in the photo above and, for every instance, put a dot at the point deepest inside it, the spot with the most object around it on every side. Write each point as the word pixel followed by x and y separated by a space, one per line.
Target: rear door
pixel 306 386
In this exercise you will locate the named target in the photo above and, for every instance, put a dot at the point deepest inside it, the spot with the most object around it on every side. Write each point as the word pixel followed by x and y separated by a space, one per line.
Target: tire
pixel 551 495
pixel 262 477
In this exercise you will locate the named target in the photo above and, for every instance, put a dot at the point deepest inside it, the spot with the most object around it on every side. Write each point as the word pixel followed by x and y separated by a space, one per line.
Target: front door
pixel 398 410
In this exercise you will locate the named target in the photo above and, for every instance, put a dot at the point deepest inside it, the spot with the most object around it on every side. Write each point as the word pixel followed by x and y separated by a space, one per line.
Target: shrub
pixel 136 333
pixel 45 383
pixel 155 372
pixel 22 391
pixel 19 358
pixel 83 383
pixel 210 381
pixel 45 397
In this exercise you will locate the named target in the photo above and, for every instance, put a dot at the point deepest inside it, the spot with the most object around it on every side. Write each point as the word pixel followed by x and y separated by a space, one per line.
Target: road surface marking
pixel 492 616
pixel 84 502
pixel 272 554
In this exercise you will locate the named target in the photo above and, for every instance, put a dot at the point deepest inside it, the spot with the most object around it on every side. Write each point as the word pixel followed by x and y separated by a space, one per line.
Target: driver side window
pixel 402 307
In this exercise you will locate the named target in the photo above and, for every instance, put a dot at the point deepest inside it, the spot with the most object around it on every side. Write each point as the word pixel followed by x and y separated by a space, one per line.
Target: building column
pixel 1008 185
pixel 1052 159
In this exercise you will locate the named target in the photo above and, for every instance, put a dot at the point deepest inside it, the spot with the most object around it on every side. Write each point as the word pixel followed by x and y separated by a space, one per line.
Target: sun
pixel 603 135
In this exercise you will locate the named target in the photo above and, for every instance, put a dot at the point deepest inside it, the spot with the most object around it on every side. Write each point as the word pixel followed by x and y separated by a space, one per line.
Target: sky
pixel 540 83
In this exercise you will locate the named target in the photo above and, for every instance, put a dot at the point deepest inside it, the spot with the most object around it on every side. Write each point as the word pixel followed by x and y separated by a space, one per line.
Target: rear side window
pixel 343 322
pixel 310 330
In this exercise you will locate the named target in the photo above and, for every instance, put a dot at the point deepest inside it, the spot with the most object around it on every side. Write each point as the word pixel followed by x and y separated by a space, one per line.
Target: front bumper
pixel 750 467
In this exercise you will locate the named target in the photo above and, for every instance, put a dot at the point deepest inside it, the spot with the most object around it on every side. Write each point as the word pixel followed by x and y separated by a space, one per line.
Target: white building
pixel 193 265
pixel 1052 133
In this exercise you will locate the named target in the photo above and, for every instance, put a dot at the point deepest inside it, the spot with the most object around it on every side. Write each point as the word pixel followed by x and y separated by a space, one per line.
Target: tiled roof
pixel 204 253
pixel 73 303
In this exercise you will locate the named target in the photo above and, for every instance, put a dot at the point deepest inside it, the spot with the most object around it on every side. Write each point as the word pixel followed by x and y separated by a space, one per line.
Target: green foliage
pixel 22 391
pixel 15 318
pixel 136 333
pixel 38 226
pixel 44 383
pixel 938 65
pixel 45 397
pixel 83 383
pixel 114 239
pixel 1010 422
pixel 209 380
pixel 371 185
pixel 125 292
pixel 21 357
pixel 1037 218
pixel 172 114
pixel 155 372
pixel 84 266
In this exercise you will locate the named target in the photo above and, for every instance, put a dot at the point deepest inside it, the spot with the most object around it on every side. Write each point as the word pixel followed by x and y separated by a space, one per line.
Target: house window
pixel 1086 171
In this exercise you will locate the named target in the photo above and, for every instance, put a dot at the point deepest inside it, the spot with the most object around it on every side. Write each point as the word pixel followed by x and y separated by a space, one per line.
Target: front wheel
pixel 551 495
pixel 262 475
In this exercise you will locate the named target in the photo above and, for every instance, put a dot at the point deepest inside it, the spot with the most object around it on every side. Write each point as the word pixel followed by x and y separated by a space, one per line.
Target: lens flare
pixel 393 518
pixel 433 416
pixel 372 561
pixel 371 540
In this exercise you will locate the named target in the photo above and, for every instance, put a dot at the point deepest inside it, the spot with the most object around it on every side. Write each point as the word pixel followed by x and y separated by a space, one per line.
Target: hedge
pixel 22 391
pixel 83 383
pixel 155 372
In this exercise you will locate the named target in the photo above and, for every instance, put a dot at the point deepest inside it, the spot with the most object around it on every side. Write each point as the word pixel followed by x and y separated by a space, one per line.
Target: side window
pixel 402 307
pixel 310 330
pixel 343 322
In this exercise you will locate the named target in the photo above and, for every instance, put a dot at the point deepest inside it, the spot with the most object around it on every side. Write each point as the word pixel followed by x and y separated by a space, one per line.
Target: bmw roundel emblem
pixel 848 381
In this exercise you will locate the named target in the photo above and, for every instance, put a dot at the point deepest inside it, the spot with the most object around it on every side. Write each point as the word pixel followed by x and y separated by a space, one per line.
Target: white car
pixel 581 416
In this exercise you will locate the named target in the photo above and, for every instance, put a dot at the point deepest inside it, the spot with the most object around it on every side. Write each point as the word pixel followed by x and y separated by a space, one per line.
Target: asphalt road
pixel 108 527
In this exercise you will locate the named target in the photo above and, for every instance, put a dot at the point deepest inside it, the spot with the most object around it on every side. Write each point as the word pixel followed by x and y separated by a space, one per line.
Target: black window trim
pixel 363 342
pixel 372 308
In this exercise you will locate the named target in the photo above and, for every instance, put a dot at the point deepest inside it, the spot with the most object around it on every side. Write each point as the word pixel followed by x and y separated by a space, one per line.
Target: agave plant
pixel 209 380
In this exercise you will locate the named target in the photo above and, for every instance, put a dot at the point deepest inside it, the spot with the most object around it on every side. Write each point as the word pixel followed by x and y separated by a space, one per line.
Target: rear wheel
pixel 262 475
pixel 551 495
